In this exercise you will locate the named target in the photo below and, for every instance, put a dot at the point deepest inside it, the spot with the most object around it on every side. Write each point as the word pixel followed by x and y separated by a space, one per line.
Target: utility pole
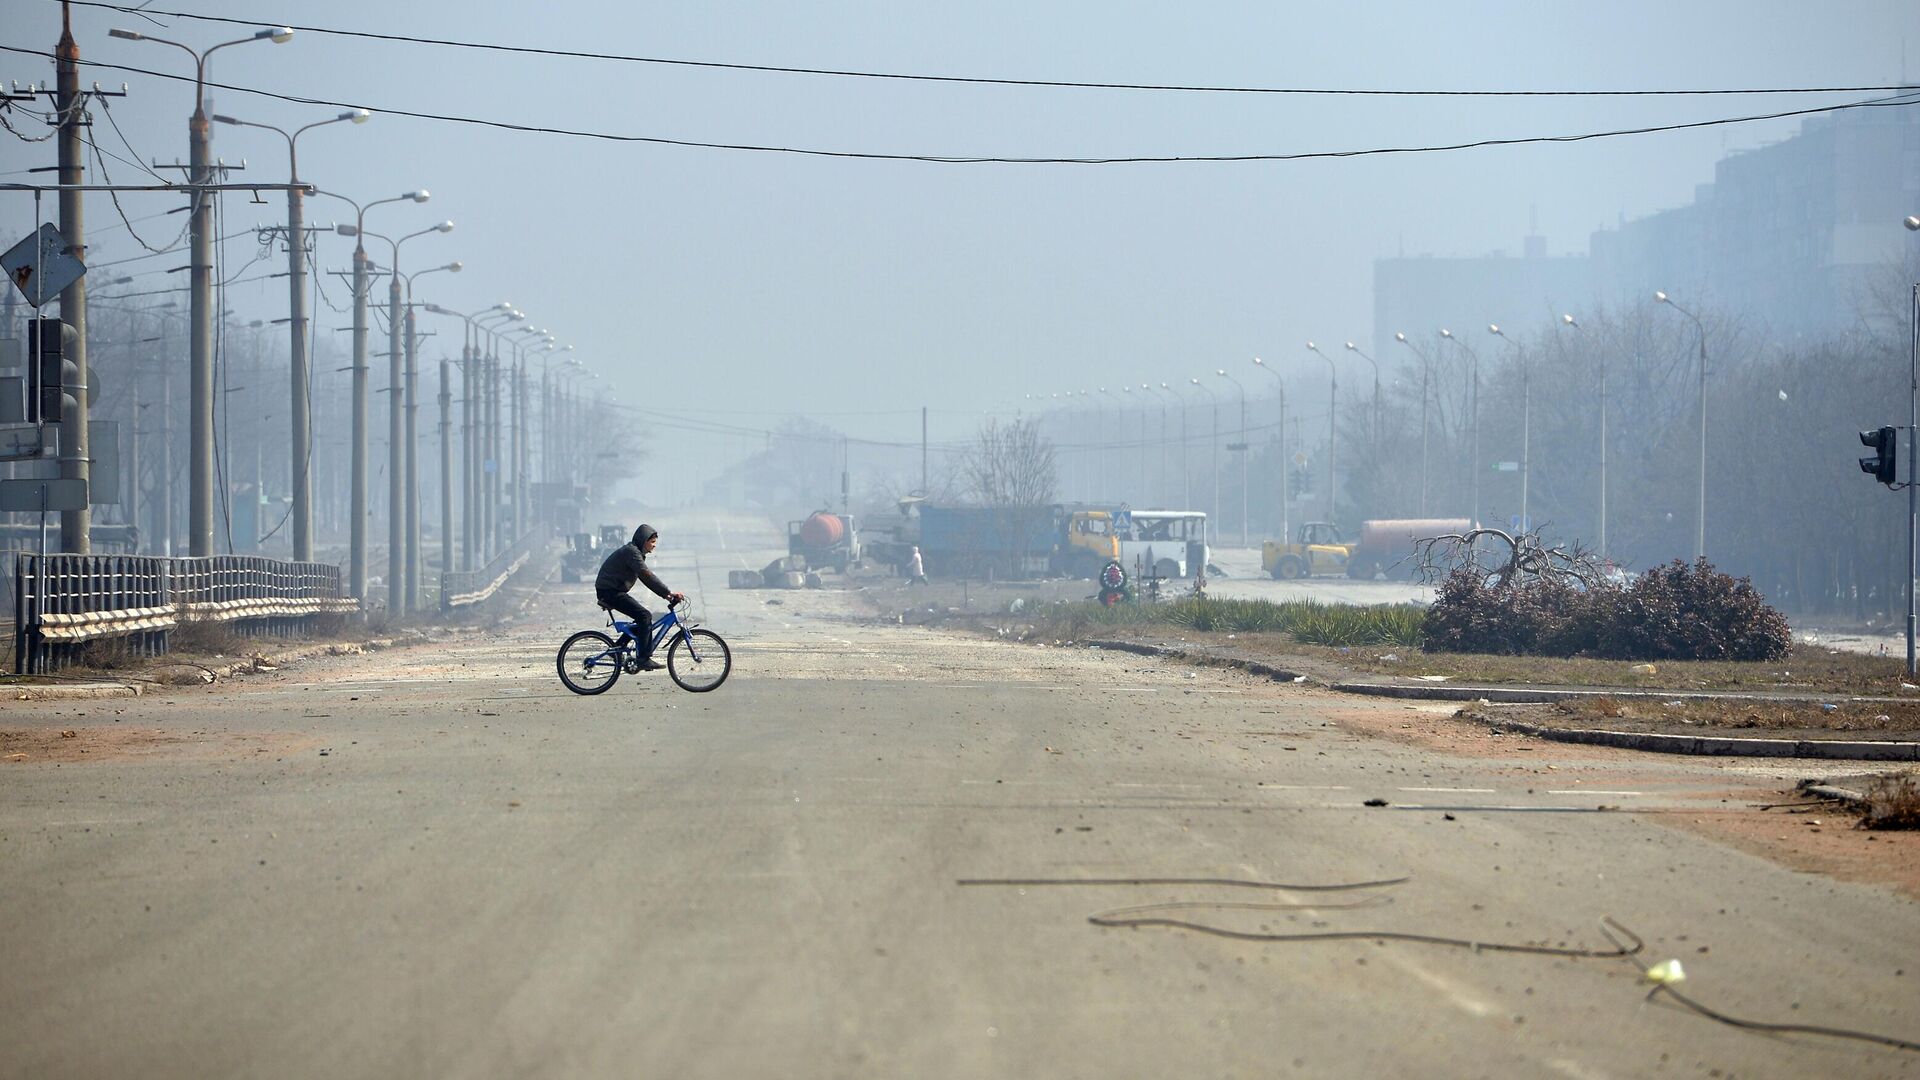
pixel 923 450
pixel 69 103
pixel 357 502
pixel 396 450
pixel 446 469
pixel 413 469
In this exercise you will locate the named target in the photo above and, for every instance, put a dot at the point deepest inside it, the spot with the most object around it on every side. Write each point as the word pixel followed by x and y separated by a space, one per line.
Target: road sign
pixel 1122 520
pixel 28 496
pixel 1236 446
pixel 1299 459
pixel 42 265
pixel 1506 466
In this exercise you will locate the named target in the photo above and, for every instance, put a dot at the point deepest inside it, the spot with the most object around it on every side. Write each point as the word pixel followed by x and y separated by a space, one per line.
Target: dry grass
pixel 1893 802
pixel 1694 716
pixel 1809 669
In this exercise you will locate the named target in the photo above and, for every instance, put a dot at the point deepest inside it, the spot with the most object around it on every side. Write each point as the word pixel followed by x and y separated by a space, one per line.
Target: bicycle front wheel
pixel 587 663
pixel 698 660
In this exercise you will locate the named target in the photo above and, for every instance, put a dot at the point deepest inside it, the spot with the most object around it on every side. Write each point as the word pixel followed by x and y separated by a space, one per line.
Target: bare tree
pixel 1010 464
pixel 1504 560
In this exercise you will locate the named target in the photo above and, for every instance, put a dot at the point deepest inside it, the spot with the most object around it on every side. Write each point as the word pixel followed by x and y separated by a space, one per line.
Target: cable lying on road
pixel 1629 950
pixel 1121 917
pixel 1235 882
pixel 1759 1025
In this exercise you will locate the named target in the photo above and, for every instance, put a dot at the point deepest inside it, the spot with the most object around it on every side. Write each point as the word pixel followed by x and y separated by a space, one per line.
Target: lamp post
pixel 1333 416
pixel 493 442
pixel 300 455
pixel 399 591
pixel 1186 473
pixel 1700 532
pixel 1109 451
pixel 1213 452
pixel 410 456
pixel 357 504
pixel 1568 321
pixel 1426 372
pixel 1146 390
pixel 1245 451
pixel 200 229
pixel 1285 532
pixel 1473 379
pixel 1355 350
pixel 1913 462
pixel 1526 421
pixel 470 527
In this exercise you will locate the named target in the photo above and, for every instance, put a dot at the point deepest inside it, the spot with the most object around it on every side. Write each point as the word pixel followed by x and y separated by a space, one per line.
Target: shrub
pixel 1691 611
pixel 1680 611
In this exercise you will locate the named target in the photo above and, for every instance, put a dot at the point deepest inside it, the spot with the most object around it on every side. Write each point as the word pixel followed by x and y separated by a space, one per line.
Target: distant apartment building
pixel 1789 236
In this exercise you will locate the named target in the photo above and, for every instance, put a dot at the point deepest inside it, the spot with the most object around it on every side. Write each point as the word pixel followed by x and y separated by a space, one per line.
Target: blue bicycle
pixel 697 660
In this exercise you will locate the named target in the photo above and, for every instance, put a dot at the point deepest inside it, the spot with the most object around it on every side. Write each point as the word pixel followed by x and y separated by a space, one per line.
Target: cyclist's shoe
pixel 648 663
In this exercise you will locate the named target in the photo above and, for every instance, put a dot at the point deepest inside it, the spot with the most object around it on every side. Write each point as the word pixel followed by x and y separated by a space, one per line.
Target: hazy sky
pixel 698 279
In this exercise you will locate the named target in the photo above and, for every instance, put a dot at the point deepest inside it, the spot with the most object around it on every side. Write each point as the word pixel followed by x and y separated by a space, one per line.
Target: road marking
pixel 1305 787
pixel 1456 790
pixel 1009 782
pixel 1594 791
pixel 1454 992
pixel 1516 809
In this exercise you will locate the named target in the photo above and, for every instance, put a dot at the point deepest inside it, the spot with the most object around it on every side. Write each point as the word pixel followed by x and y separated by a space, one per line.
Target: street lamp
pixel 1285 531
pixel 1333 415
pixel 1146 390
pixel 199 225
pixel 1426 373
pixel 1186 473
pixel 1473 378
pixel 399 588
pixel 1526 422
pixel 1700 534
pixel 300 455
pixel 470 410
pixel 1213 452
pixel 1355 350
pixel 1568 321
pixel 411 487
pixel 1913 464
pixel 357 505
pixel 1245 451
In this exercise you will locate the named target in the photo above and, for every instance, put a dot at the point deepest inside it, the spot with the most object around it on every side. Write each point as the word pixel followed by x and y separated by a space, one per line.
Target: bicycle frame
pixel 662 626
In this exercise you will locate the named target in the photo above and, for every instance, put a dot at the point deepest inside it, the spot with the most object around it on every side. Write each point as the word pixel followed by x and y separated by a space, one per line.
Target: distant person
pixel 626 565
pixel 916 570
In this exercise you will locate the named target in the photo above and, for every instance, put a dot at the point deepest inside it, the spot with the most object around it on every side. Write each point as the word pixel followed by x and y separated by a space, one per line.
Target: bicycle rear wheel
pixel 587 663
pixel 699 661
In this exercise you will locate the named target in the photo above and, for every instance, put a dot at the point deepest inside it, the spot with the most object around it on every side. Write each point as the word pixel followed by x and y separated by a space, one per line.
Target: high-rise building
pixel 1792 238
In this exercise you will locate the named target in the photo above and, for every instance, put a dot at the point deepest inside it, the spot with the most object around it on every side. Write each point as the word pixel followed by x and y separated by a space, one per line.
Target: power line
pixel 1901 99
pixel 972 80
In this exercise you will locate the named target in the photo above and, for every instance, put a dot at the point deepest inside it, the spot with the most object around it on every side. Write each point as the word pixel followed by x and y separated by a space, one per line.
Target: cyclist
pixel 626 565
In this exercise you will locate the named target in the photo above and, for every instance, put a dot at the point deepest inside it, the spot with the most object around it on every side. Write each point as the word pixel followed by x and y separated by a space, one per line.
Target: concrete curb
pixel 1698 745
pixel 1253 667
pixel 70 692
pixel 1530 695
pixel 1718 746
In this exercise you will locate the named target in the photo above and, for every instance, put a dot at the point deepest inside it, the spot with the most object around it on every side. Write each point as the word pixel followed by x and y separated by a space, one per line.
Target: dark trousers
pixel 625 604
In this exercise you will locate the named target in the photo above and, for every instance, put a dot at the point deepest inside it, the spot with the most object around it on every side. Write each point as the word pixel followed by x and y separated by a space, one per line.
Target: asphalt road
pixel 435 862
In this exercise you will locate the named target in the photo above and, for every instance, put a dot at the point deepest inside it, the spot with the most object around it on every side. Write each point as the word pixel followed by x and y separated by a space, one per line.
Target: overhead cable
pixel 974 80
pixel 959 159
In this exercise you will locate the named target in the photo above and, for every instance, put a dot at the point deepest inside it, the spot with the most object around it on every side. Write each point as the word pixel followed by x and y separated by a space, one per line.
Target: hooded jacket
pixel 628 564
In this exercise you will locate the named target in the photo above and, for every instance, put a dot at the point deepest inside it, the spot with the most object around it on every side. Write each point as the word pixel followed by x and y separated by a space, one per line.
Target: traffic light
pixel 55 378
pixel 1881 465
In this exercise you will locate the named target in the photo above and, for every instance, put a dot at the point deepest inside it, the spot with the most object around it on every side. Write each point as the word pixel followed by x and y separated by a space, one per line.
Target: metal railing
pixel 64 601
pixel 464 588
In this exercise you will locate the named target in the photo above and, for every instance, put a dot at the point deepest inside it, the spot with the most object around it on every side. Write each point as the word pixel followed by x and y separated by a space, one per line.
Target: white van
pixel 1173 542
